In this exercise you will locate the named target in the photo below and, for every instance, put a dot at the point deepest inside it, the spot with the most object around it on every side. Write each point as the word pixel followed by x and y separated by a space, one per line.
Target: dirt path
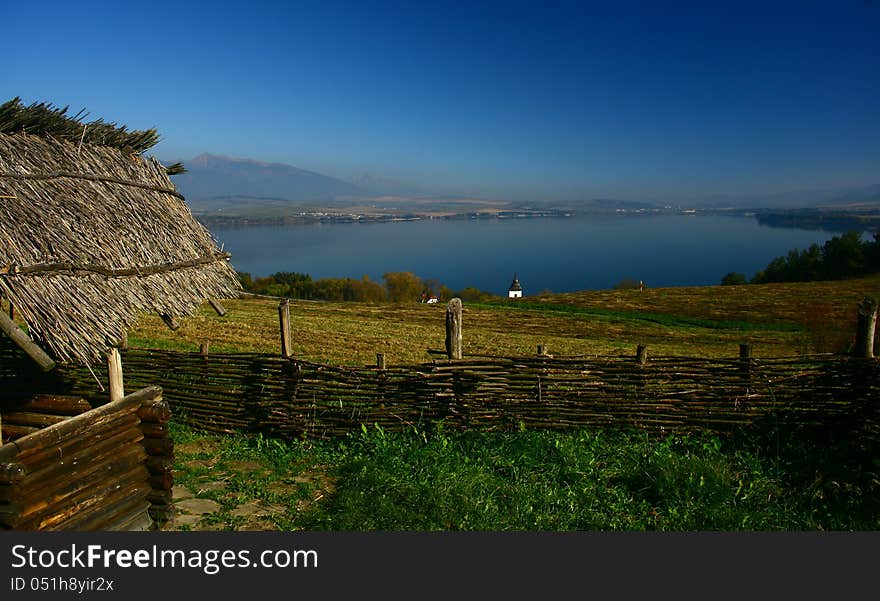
pixel 216 493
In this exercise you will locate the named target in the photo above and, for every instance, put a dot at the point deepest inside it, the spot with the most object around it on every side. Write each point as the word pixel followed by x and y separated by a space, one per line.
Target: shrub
pixel 733 279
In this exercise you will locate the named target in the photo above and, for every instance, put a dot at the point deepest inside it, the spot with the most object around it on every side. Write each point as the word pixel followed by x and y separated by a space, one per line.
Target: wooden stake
pixel 642 354
pixel 867 325
pixel 203 348
pixel 114 372
pixel 284 322
pixel 11 329
pixel 169 320
pixel 745 350
pixel 217 307
pixel 380 360
pixel 453 329
pixel 542 350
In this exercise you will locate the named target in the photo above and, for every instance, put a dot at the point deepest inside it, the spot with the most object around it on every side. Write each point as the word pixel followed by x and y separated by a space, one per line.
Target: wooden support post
pixel 169 320
pixel 221 311
pixel 641 377
pixel 867 326
pixel 11 329
pixel 745 355
pixel 453 329
pixel 380 360
pixel 114 372
pixel 203 348
pixel 542 350
pixel 284 322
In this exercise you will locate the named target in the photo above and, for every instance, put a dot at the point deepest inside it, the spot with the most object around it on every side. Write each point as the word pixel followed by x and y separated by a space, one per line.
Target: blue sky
pixel 524 101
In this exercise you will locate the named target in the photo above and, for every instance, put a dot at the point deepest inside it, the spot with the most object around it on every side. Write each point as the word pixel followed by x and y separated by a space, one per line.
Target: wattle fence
pixel 291 398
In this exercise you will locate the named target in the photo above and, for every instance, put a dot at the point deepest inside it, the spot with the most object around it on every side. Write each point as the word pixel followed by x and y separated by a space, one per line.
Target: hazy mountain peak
pixel 213 175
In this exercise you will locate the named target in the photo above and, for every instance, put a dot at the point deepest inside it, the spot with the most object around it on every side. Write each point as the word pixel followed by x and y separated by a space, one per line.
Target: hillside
pixel 778 319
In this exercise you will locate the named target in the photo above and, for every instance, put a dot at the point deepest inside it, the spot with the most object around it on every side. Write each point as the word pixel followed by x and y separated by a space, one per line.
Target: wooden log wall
pixel 154 415
pixel 87 472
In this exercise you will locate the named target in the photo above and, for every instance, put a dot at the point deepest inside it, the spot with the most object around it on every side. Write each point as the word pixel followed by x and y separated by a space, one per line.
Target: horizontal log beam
pixel 10 432
pixel 92 178
pixel 120 422
pixel 110 272
pixel 29 418
pixel 54 404
pixel 78 424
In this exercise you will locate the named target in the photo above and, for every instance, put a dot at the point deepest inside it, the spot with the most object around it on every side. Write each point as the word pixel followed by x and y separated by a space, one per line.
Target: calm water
pixel 547 254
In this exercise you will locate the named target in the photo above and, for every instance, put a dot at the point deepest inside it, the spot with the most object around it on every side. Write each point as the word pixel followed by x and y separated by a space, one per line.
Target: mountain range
pixel 214 180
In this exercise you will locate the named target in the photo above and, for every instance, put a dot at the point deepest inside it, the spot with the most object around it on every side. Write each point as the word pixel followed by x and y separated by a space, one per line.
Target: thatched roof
pixel 91 237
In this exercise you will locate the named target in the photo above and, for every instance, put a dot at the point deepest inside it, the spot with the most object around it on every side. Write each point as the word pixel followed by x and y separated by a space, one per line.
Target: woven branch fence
pixel 289 398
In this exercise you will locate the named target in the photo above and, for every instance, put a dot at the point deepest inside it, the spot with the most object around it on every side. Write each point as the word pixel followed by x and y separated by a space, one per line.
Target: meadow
pixel 778 319
pixel 434 479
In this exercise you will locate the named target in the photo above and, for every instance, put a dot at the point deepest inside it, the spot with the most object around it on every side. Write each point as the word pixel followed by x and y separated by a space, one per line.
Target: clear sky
pixel 536 100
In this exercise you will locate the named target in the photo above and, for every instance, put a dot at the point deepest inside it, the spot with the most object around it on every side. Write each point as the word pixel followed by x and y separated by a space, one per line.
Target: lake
pixel 558 254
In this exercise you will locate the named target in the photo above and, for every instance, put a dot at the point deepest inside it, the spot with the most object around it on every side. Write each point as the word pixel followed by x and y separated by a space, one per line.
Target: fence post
pixel 745 356
pixel 203 348
pixel 453 329
pixel 114 375
pixel 542 350
pixel 284 322
pixel 218 308
pixel 641 374
pixel 867 325
pixel 169 320
pixel 380 360
pixel 11 329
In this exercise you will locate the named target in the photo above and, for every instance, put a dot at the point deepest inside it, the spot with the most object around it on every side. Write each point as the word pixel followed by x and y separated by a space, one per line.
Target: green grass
pixel 674 321
pixel 546 481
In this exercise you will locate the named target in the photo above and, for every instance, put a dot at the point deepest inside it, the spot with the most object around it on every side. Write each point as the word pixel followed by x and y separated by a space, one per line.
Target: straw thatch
pixel 90 237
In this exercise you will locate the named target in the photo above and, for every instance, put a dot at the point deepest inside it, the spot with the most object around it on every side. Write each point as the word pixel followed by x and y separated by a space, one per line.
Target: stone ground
pixel 216 493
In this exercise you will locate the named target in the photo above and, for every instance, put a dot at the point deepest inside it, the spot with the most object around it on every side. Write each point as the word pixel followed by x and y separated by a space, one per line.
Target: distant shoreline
pixel 831 220
pixel 328 217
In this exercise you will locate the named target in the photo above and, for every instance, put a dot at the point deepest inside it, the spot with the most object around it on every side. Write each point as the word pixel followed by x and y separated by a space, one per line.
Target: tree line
pixel 845 256
pixel 396 286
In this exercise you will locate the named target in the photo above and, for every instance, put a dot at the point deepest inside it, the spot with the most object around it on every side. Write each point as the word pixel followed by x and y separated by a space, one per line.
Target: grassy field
pixel 526 480
pixel 778 319
pixel 533 480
